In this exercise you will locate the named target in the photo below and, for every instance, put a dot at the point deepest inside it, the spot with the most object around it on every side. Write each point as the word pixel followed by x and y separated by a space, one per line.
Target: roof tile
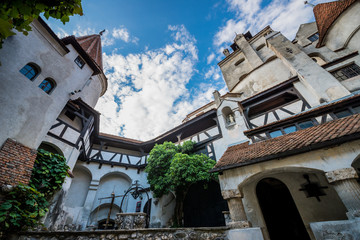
pixel 326 14
pixel 92 46
pixel 245 153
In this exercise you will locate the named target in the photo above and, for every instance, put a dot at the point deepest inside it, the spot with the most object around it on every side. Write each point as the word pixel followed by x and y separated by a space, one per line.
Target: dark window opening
pixel 314 37
pixel 70 115
pixel 239 61
pixel 347 72
pixel 306 124
pixel 343 114
pixel 29 71
pixel 356 109
pixel 47 85
pixel 79 61
pixel 102 223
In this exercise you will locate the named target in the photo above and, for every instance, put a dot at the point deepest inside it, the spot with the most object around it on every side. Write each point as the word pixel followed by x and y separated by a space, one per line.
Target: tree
pixel 175 168
pixel 18 14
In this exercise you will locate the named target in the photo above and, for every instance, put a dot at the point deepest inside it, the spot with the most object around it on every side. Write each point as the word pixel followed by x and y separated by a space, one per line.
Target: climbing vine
pixel 24 205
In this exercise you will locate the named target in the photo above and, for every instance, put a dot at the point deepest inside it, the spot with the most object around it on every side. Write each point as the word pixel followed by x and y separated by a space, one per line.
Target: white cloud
pixel 282 15
pixel 108 37
pixel 210 58
pixel 213 72
pixel 123 34
pixel 147 92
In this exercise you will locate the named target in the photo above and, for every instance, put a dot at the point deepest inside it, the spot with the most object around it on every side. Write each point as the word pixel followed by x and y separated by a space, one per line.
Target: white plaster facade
pixel 260 67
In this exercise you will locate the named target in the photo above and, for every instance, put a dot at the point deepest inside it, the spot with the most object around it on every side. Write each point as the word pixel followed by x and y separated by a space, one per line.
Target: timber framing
pixel 128 153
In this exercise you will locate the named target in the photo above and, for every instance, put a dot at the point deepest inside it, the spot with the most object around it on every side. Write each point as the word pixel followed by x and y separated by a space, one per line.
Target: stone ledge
pixel 231 193
pixel 203 233
pixel 341 174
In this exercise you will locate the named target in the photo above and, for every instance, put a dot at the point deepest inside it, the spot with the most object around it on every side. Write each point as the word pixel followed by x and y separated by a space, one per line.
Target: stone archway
pixel 280 213
pixel 203 207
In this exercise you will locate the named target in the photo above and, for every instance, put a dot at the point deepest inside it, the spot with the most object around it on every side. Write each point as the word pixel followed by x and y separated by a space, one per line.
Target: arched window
pixel 30 71
pixel 47 85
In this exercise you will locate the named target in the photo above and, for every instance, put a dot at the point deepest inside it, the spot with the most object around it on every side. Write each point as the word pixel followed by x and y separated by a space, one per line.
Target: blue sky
pixel 161 56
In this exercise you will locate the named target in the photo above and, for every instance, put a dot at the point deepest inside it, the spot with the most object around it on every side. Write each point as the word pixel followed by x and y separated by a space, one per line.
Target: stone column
pixel 90 202
pixel 348 189
pixel 236 207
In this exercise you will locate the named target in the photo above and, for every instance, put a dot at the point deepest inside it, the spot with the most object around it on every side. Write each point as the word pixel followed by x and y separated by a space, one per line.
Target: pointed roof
pixel 326 14
pixel 92 46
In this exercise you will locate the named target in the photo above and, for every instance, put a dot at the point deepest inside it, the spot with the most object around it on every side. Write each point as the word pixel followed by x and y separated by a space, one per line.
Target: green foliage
pixel 175 168
pixel 187 169
pixel 18 14
pixel 24 205
pixel 49 172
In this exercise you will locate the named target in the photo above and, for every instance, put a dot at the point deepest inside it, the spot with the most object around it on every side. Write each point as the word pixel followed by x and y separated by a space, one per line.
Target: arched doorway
pixel 203 207
pixel 281 215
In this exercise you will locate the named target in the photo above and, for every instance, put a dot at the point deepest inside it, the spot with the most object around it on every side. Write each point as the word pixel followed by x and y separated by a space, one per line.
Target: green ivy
pixel 24 205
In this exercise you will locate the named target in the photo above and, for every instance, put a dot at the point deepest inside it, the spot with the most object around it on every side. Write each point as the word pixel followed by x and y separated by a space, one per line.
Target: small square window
pixel 306 124
pixel 275 133
pixel 80 62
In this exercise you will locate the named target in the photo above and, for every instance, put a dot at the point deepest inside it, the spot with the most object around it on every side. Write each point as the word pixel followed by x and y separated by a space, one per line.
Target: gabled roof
pixel 320 136
pixel 92 46
pixel 326 14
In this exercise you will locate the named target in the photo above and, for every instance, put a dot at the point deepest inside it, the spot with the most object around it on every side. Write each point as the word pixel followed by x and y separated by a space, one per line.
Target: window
pixel 343 113
pixel 275 134
pixel 79 61
pixel 346 72
pixel 260 47
pixel 240 61
pixel 47 85
pixel 290 129
pixel 314 37
pixel 30 71
pixel 306 124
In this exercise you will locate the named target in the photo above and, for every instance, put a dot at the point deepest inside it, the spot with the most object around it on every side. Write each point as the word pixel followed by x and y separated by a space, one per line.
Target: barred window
pixel 347 72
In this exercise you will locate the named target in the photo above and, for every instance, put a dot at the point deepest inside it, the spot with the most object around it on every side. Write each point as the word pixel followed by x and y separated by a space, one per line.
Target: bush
pixel 24 205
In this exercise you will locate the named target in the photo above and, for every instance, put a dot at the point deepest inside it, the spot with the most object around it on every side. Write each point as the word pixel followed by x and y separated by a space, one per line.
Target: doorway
pixel 203 206
pixel 282 218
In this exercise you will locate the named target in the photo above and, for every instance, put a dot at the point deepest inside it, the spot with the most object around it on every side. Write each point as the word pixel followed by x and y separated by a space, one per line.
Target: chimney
pixel 217 98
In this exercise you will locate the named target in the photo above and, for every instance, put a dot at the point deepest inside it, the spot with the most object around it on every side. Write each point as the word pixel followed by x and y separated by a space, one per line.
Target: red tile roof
pixel 92 46
pixel 331 133
pixel 326 14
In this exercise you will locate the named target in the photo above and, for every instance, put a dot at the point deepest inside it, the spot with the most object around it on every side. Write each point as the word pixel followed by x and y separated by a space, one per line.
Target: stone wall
pixel 16 163
pixel 218 233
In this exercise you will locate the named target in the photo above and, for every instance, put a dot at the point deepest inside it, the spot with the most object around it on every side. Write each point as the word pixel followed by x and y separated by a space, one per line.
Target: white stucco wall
pixel 21 99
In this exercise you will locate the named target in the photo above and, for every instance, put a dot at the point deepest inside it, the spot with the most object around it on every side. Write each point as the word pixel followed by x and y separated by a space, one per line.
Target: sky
pixel 160 56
